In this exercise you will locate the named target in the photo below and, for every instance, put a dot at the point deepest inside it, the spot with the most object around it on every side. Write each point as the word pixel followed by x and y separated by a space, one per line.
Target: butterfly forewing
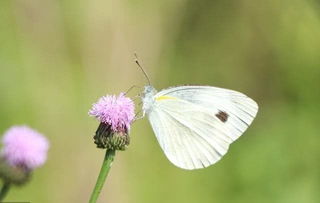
pixel 240 109
pixel 195 125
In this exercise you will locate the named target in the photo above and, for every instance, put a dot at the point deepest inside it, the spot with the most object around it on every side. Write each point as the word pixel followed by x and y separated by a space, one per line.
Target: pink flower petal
pixel 118 112
pixel 23 146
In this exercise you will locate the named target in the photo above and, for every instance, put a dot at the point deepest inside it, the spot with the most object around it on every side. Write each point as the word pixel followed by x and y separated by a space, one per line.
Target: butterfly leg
pixel 133 86
pixel 136 117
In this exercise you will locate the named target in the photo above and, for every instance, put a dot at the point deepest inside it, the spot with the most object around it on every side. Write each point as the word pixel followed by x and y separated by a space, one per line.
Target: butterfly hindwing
pixel 191 137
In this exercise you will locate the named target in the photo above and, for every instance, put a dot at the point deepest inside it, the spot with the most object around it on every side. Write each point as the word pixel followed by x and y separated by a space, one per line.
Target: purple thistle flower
pixel 115 115
pixel 118 112
pixel 24 147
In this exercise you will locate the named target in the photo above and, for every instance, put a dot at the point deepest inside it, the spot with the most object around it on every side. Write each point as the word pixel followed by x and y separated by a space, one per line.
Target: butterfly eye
pixel 223 116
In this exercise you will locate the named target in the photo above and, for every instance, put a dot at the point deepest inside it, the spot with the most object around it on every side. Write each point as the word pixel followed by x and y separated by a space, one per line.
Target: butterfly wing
pixel 233 108
pixel 195 125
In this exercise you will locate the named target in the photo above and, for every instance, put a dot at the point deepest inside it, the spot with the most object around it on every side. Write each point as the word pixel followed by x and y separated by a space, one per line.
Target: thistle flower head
pixel 117 112
pixel 115 115
pixel 24 147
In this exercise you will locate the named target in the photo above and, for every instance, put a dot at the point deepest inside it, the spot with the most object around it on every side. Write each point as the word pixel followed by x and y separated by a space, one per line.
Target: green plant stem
pixel 106 165
pixel 4 190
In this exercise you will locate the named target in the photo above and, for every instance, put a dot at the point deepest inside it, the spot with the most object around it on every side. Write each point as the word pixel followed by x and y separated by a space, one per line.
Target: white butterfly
pixel 195 125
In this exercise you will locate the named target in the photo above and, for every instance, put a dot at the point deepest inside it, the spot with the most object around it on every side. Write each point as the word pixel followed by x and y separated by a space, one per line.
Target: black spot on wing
pixel 223 116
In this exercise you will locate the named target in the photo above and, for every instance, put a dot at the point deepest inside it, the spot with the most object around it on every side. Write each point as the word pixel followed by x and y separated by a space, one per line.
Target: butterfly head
pixel 149 90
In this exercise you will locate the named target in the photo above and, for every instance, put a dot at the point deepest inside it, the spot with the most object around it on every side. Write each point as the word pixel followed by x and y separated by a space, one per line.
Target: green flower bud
pixel 17 175
pixel 106 138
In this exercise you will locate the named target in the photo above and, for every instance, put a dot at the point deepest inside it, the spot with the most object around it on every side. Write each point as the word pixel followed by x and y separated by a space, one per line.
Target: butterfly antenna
pixel 141 68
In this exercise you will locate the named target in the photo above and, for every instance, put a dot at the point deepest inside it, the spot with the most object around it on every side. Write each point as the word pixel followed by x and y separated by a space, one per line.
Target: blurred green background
pixel 57 57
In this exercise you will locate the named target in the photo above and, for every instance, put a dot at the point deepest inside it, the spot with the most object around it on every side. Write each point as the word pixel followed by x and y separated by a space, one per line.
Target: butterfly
pixel 195 125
